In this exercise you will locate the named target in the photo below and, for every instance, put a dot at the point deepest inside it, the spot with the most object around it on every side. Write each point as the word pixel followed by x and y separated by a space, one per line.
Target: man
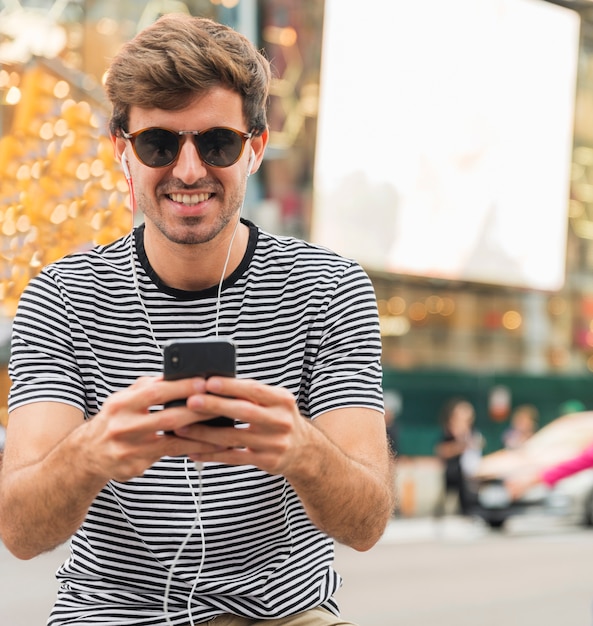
pixel 247 534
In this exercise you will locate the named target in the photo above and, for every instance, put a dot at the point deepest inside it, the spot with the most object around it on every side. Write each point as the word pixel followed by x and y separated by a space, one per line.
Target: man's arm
pixel 55 463
pixel 42 497
pixel 346 483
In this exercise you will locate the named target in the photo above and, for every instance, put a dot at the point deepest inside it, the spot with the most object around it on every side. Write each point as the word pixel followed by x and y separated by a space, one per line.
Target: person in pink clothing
pixel 551 475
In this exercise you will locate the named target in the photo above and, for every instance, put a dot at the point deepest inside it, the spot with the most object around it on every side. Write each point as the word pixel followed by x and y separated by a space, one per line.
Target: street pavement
pixel 537 572
pixel 454 572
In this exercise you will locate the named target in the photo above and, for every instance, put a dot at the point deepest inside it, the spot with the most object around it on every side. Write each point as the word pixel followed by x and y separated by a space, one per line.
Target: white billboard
pixel 445 137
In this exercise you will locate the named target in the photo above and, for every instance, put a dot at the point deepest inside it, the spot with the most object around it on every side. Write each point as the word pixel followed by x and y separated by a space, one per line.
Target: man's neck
pixel 198 266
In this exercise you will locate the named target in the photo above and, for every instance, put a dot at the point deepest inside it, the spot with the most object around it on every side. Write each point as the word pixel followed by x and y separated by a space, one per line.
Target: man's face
pixel 190 202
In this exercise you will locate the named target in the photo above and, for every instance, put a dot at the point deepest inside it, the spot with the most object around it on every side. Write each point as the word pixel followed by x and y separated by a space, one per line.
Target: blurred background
pixel 447 146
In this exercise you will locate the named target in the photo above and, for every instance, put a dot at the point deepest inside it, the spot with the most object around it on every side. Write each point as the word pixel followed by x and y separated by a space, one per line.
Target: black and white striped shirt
pixel 302 318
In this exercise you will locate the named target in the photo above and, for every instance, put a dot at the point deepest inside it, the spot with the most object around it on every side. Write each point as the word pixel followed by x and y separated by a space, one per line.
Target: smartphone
pixel 188 358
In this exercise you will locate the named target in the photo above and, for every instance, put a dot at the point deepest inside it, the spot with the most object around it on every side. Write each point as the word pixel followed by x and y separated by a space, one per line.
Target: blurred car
pixel 571 498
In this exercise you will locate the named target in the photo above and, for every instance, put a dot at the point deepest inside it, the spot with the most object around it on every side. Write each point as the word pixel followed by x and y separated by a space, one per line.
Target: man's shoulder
pixel 84 269
pixel 113 255
pixel 298 249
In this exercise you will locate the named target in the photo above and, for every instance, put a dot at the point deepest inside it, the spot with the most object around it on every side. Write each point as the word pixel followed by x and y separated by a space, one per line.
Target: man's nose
pixel 189 165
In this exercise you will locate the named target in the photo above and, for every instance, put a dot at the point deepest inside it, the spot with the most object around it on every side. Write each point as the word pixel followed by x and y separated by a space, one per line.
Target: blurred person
pixel 523 424
pixel 173 521
pixel 459 449
pixel 518 485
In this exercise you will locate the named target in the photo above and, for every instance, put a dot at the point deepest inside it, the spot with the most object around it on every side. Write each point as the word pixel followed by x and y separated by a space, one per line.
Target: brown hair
pixel 177 56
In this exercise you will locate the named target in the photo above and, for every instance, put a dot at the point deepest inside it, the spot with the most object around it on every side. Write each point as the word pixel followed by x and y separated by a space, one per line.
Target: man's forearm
pixel 347 500
pixel 43 504
pixel 355 517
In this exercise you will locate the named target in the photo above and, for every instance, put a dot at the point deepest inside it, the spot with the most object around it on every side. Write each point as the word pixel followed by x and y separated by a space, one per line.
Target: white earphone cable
pixel 224 268
pixel 140 298
pixel 197 523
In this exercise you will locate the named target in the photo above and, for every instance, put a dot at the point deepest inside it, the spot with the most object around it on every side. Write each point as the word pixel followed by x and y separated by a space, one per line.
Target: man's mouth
pixel 189 198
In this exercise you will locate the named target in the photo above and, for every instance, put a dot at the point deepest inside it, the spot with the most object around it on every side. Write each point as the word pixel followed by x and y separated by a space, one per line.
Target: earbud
pixel 124 165
pixel 250 162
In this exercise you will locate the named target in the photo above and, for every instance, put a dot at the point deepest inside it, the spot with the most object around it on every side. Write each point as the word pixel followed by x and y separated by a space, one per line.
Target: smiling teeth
pixel 194 198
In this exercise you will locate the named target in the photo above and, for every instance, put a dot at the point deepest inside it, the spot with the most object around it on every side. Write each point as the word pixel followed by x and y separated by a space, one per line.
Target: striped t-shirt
pixel 302 318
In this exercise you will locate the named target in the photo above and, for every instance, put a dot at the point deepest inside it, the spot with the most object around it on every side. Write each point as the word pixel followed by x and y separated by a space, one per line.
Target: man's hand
pixel 272 432
pixel 339 464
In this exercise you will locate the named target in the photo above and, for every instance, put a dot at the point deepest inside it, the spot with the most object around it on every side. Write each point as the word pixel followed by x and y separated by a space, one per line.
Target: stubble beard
pixel 189 232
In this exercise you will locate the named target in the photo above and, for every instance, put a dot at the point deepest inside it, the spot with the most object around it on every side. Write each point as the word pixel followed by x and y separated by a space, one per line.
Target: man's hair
pixel 178 56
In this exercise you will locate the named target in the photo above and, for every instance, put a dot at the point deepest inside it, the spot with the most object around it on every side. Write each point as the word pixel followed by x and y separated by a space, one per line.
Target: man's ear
pixel 258 147
pixel 119 149
pixel 251 161
pixel 125 166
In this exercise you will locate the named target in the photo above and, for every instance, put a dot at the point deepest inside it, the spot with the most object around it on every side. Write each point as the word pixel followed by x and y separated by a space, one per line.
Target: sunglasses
pixel 159 147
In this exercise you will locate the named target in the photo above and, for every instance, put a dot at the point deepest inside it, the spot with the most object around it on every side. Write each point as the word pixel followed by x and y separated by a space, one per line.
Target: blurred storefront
pixel 61 189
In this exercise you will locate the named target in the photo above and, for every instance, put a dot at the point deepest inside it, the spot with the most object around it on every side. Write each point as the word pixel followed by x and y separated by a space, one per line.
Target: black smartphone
pixel 188 358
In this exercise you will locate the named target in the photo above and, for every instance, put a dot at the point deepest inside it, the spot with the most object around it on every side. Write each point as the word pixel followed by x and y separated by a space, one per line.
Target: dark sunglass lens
pixel 220 147
pixel 157 147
